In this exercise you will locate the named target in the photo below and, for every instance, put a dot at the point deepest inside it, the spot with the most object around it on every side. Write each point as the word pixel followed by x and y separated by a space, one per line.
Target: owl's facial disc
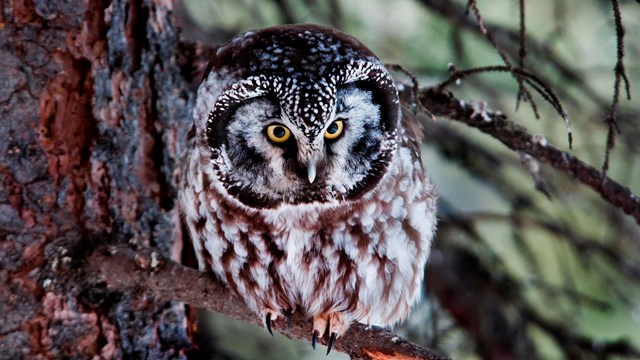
pixel 268 159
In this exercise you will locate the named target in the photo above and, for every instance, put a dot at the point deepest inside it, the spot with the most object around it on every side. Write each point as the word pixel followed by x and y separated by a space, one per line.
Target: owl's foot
pixel 331 323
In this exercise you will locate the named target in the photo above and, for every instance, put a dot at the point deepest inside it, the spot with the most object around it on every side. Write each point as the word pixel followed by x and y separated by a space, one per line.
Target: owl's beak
pixel 311 171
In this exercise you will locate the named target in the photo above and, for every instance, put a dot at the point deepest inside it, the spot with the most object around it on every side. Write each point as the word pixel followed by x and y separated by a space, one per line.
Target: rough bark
pixel 95 96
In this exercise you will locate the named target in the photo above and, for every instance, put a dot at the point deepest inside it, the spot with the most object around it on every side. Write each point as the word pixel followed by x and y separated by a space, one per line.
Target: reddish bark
pixel 92 104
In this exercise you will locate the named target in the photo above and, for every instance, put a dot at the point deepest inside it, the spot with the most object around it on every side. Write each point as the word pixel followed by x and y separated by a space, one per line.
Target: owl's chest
pixel 307 236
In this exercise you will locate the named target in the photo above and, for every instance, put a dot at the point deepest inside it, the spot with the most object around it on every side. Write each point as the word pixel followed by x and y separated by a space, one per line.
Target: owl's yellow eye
pixel 278 133
pixel 334 130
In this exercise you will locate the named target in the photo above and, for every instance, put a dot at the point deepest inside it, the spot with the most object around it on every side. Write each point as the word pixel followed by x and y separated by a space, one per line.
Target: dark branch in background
pixel 489 289
pixel 575 345
pixel 144 273
pixel 335 15
pixel 285 11
pixel 620 75
pixel 518 138
pixel 585 245
pixel 605 261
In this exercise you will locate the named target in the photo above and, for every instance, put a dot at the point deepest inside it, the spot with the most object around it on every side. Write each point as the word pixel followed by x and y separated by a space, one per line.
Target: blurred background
pixel 514 273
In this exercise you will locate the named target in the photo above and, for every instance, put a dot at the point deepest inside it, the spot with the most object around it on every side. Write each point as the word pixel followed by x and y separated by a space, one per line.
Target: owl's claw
pixel 269 316
pixel 268 323
pixel 331 340
pixel 314 339
pixel 288 314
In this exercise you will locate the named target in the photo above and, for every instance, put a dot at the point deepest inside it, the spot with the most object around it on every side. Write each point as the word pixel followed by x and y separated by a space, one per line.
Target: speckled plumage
pixel 345 242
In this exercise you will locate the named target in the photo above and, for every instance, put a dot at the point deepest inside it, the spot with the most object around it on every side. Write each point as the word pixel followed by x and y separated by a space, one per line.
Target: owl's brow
pixel 260 85
pixel 251 87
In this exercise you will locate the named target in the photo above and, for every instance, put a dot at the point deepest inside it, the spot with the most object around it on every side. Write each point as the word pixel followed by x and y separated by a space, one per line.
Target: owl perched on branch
pixel 303 188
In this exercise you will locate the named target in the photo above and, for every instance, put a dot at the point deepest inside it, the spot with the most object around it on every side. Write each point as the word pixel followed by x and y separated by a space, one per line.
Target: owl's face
pixel 288 120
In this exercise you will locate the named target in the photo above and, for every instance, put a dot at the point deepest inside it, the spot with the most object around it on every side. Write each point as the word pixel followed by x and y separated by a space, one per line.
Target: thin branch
pixel 523 92
pixel 620 75
pixel 145 273
pixel 536 83
pixel 518 138
pixel 522 53
pixel 415 88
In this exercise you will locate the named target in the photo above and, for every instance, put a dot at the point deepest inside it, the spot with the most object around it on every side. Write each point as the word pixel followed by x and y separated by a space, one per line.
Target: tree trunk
pixel 95 99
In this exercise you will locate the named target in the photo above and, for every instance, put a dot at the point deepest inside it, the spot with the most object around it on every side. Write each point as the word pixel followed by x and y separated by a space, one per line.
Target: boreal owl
pixel 303 187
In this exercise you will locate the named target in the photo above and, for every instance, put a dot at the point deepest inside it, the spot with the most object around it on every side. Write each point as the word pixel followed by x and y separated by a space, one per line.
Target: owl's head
pixel 296 114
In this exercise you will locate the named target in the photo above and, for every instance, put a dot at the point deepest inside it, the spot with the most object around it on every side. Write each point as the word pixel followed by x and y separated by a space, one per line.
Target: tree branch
pixel 145 273
pixel 518 138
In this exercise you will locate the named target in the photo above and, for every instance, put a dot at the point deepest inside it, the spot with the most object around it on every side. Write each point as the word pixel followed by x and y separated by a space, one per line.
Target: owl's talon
pixel 314 339
pixel 332 339
pixel 268 323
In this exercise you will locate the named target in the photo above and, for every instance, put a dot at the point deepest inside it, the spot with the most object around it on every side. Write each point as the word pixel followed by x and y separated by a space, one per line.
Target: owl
pixel 303 187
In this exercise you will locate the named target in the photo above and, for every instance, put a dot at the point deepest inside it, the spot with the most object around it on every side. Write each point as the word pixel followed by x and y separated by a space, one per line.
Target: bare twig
pixel 537 84
pixel 145 273
pixel 414 104
pixel 620 75
pixel 523 92
pixel 533 167
pixel 522 53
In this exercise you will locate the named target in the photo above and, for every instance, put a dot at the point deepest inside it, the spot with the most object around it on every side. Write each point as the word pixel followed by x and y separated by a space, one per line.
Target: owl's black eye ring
pixel 278 133
pixel 334 130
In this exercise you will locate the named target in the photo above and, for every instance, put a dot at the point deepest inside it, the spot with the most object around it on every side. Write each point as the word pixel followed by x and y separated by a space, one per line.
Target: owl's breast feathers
pixel 364 257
